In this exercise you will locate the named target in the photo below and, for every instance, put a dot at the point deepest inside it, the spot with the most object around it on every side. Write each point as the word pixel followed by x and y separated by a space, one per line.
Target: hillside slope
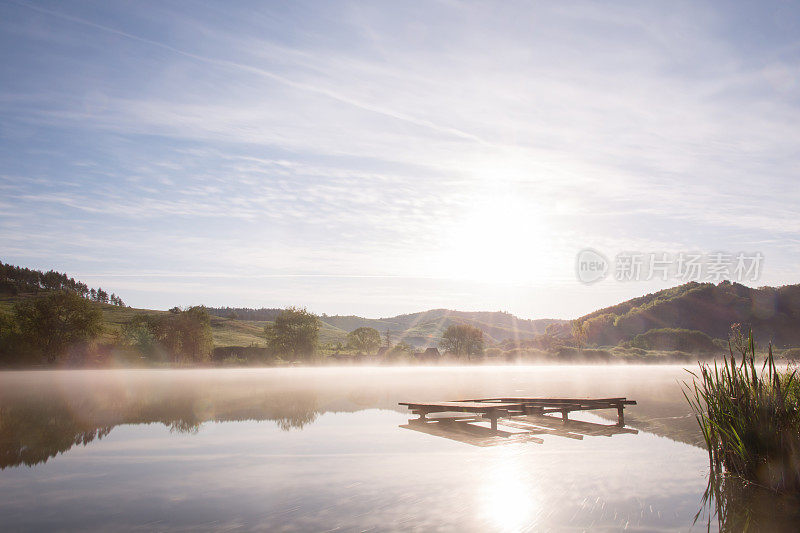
pixel 772 312
pixel 426 328
pixel 418 329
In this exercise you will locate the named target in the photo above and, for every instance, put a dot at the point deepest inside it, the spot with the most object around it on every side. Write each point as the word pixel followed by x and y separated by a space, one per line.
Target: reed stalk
pixel 749 418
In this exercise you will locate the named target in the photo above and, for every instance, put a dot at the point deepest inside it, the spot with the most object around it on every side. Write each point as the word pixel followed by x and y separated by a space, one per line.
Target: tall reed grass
pixel 749 418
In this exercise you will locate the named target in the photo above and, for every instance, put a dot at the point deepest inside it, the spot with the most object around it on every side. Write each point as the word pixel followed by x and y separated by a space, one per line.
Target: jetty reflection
pixel 515 429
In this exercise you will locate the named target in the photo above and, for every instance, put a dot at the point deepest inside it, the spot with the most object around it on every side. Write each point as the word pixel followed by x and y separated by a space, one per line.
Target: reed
pixel 749 418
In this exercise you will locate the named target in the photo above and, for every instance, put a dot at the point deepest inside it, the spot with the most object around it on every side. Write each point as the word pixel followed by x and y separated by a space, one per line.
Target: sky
pixel 377 158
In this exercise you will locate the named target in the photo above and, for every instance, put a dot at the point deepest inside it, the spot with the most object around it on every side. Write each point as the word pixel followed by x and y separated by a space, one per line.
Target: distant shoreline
pixel 447 363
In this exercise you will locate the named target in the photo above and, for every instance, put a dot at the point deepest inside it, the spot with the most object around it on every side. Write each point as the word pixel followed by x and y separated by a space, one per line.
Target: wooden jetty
pixel 492 409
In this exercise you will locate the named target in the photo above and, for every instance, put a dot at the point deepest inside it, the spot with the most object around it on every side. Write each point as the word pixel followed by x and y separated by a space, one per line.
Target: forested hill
pixel 16 280
pixel 772 312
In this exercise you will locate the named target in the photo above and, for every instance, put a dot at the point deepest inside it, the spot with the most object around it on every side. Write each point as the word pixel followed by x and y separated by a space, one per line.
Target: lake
pixel 323 449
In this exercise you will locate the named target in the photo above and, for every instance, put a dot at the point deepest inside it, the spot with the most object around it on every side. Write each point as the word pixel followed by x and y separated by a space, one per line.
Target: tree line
pixel 61 326
pixel 18 280
pixel 57 320
pixel 54 319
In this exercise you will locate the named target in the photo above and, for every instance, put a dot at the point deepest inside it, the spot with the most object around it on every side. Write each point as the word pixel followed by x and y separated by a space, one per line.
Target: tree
pixel 52 323
pixel 52 280
pixel 82 289
pixel 9 352
pixel 182 335
pixel 295 332
pixel 364 339
pixel 140 333
pixel 187 334
pixel 388 335
pixel 463 339
pixel 579 333
pixel 102 296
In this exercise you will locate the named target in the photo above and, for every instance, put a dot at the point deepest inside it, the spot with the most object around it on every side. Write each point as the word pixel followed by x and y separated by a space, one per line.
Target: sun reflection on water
pixel 509 498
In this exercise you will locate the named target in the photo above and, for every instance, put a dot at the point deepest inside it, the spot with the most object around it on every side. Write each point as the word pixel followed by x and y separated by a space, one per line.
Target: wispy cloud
pixel 368 140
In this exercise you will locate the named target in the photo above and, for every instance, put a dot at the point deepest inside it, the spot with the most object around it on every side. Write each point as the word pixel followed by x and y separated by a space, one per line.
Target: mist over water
pixel 322 448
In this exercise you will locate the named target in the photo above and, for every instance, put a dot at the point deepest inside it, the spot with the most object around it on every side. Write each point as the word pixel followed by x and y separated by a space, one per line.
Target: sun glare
pixel 501 239
pixel 508 501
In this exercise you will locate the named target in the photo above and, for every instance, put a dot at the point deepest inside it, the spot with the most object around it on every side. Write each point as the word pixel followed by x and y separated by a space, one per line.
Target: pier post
pixel 621 415
pixel 565 415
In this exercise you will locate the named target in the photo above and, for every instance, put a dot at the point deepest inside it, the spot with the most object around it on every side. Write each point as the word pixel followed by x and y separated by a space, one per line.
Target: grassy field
pixel 232 332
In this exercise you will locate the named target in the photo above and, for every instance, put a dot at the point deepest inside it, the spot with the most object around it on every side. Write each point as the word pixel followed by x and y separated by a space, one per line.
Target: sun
pixel 502 238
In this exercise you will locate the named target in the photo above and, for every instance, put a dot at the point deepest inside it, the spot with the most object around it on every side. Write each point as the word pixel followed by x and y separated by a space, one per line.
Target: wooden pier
pixel 531 414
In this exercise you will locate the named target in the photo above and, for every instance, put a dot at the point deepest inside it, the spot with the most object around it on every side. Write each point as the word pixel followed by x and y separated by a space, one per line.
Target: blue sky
pixel 375 158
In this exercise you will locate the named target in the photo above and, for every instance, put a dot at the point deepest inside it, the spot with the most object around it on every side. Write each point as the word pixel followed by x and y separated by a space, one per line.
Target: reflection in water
pixel 509 499
pixel 736 505
pixel 46 413
pixel 34 429
pixel 512 430
pixel 331 454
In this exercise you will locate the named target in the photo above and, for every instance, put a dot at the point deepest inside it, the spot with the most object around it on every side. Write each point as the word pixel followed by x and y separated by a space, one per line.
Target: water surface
pixel 323 449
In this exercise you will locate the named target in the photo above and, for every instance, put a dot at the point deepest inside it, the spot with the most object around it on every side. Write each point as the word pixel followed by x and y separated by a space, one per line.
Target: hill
pixel 772 312
pixel 690 318
pixel 418 329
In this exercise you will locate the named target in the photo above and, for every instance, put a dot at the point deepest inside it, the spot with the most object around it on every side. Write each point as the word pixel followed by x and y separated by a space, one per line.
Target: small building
pixel 430 354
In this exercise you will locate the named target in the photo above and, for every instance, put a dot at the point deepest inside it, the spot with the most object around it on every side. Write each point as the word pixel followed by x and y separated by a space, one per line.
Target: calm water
pixel 322 449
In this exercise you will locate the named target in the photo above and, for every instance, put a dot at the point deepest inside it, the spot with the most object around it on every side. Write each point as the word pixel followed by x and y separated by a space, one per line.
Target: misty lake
pixel 320 449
